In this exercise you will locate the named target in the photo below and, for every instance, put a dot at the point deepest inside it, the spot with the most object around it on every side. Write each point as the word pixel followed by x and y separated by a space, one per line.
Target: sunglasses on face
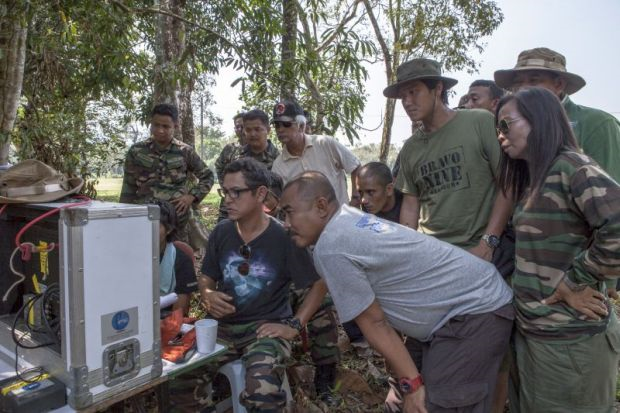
pixel 503 126
pixel 281 124
pixel 232 193
pixel 246 252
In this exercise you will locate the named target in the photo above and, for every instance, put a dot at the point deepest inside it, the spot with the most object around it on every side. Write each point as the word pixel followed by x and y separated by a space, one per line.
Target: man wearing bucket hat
pixel 448 167
pixel 159 168
pixel 448 170
pixel 33 181
pixel 597 132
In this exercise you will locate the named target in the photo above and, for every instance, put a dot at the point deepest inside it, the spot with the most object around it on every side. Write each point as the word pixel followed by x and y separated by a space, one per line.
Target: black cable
pixel 50 330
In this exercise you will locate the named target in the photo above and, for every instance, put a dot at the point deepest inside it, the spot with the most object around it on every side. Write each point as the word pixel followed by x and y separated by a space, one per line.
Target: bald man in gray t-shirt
pixel 388 277
pixel 419 281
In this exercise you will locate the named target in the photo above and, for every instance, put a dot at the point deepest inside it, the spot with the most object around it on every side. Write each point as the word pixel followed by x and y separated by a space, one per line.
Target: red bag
pixel 177 347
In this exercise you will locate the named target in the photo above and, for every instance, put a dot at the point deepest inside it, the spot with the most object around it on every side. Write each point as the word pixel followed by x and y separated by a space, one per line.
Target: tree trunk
pixel 169 47
pixel 186 114
pixel 386 135
pixel 289 47
pixel 13 52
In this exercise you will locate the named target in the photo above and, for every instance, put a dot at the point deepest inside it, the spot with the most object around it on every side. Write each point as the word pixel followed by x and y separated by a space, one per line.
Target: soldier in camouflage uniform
pixel 567 225
pixel 244 284
pixel 159 168
pixel 228 152
pixel 256 131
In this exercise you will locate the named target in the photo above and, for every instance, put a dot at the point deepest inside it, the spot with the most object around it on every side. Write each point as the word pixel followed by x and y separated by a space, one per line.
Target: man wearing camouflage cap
pixel 159 167
pixel 597 132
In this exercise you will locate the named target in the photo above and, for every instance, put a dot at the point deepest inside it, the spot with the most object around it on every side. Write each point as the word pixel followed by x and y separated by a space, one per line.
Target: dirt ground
pixel 361 383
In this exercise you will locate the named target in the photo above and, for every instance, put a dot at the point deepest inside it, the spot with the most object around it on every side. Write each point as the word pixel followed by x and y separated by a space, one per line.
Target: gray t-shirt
pixel 419 281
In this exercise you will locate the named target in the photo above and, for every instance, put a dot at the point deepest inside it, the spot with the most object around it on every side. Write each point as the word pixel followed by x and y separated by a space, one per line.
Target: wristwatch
pixel 294 322
pixel 408 385
pixel 491 240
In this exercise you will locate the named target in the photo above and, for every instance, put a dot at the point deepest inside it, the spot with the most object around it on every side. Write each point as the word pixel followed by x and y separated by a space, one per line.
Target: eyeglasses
pixel 281 124
pixel 232 193
pixel 503 126
pixel 246 252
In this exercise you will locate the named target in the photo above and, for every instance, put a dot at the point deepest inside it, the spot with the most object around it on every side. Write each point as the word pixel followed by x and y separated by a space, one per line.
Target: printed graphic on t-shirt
pixel 445 172
pixel 247 287
pixel 372 223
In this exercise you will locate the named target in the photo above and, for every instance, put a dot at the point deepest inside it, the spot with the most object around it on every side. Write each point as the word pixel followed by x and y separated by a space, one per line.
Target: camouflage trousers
pixel 265 364
pixel 322 329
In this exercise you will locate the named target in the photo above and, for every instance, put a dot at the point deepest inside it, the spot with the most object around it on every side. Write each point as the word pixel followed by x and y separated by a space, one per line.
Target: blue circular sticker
pixel 120 320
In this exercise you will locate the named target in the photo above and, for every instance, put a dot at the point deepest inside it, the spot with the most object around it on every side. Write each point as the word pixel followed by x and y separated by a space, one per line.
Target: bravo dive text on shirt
pixel 445 172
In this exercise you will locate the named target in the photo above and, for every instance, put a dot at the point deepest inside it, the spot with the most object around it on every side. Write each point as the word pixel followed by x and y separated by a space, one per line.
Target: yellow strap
pixel 20 384
pixel 43 259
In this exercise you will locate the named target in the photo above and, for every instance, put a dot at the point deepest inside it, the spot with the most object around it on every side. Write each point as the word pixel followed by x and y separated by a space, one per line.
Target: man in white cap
pixel 597 132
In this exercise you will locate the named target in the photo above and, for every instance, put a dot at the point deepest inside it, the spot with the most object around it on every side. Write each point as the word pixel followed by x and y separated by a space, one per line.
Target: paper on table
pixel 168 299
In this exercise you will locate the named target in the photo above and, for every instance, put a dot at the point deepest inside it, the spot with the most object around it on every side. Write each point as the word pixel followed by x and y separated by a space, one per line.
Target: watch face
pixel 491 240
pixel 494 241
pixel 405 387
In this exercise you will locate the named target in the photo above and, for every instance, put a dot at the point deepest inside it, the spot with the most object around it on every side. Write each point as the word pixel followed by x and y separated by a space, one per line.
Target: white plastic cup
pixel 206 335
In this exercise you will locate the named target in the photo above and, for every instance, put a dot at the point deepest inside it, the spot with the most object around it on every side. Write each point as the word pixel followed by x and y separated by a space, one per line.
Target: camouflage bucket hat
pixel 33 181
pixel 543 59
pixel 417 69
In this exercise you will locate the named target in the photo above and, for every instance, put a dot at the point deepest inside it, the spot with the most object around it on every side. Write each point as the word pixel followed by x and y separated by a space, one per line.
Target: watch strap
pixel 408 385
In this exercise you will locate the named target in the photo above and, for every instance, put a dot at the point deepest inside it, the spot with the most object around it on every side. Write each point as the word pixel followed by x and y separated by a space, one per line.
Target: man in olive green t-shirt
pixel 448 167
pixel 448 171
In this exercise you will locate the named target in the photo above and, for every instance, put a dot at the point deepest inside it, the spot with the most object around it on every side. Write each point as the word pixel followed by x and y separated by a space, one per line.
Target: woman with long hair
pixel 567 224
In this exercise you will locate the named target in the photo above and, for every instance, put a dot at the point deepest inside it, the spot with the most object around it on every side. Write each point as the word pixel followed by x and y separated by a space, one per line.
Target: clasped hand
pixel 587 301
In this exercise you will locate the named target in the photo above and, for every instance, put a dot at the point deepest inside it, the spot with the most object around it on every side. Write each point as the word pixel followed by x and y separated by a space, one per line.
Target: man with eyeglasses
pixel 244 284
pixel 258 146
pixel 597 132
pixel 302 152
pixel 158 169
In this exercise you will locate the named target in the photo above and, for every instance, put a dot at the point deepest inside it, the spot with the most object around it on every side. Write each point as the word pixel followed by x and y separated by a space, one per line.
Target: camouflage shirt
pixel 232 152
pixel 226 156
pixel 153 173
pixel 265 157
pixel 571 229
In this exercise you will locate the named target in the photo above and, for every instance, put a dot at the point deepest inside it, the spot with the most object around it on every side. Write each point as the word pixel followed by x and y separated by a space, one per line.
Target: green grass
pixel 109 189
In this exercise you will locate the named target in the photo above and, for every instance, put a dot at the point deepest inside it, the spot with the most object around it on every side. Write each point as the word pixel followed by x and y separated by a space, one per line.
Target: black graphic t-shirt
pixel 275 261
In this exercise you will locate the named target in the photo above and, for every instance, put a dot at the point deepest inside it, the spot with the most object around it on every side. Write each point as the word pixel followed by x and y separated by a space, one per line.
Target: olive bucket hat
pixel 33 181
pixel 417 69
pixel 544 59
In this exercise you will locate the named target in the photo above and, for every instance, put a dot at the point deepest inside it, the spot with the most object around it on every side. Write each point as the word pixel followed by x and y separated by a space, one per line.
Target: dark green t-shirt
pixel 452 173
pixel 598 134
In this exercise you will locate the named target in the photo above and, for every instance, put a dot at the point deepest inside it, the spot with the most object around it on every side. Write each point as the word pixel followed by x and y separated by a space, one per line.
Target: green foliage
pixel 448 30
pixel 83 64
pixel 328 67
